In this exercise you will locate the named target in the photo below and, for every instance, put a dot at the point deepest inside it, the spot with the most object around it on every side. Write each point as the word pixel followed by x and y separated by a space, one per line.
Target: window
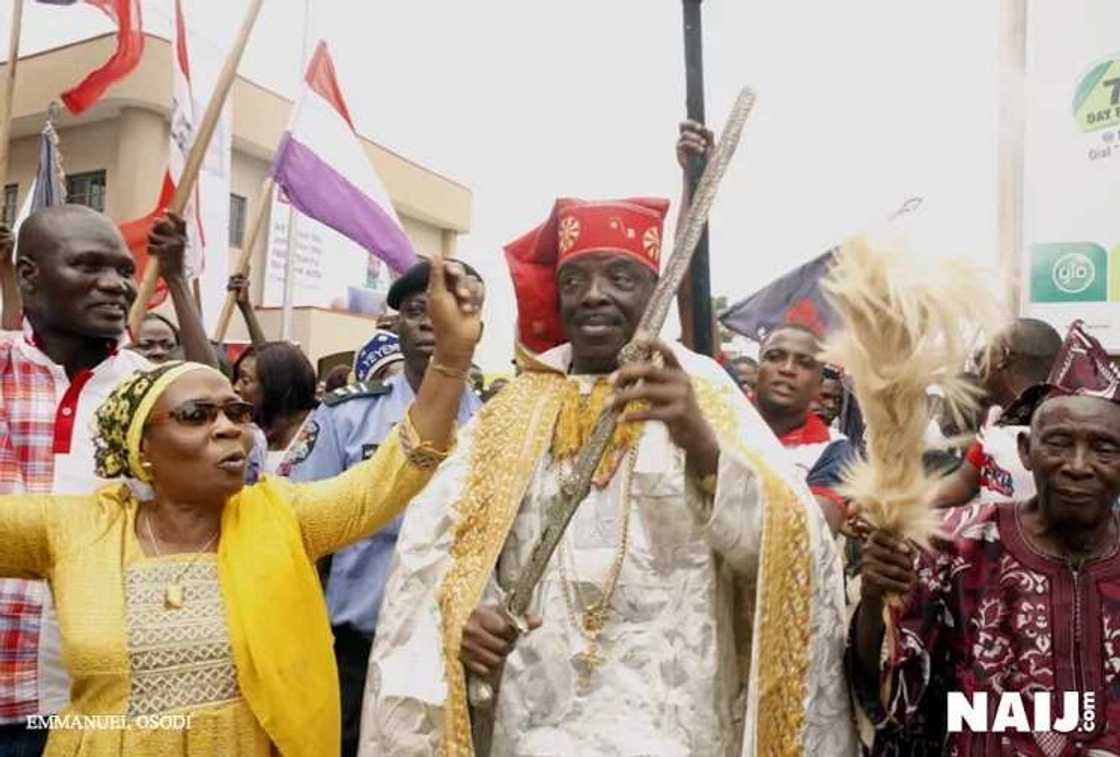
pixel 8 210
pixel 236 220
pixel 87 189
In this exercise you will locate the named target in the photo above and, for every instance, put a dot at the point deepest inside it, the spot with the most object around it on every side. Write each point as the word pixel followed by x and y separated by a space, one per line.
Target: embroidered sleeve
pixel 339 511
pixel 748 480
pixel 405 684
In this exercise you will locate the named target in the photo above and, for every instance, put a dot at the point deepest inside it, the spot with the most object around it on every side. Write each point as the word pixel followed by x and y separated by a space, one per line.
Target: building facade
pixel 115 155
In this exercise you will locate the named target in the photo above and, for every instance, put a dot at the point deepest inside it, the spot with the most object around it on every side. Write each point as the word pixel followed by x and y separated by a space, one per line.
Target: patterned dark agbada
pixel 1003 617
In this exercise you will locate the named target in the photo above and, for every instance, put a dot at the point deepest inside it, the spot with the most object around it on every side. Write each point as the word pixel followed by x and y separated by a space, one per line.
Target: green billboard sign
pixel 1069 272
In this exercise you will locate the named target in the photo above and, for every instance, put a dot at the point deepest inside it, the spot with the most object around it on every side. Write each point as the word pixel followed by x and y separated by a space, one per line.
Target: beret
pixel 415 279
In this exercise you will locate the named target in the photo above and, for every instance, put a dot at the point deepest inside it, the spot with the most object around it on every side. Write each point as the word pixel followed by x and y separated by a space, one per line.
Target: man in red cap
pixel 639 640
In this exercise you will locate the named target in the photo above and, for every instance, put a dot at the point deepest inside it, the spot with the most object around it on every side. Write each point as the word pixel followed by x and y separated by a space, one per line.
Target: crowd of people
pixel 200 558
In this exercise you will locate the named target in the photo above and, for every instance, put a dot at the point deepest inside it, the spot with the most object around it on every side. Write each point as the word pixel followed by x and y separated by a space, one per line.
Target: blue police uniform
pixel 344 430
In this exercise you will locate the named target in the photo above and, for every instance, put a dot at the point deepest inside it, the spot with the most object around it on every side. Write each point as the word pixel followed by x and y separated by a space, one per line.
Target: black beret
pixel 415 279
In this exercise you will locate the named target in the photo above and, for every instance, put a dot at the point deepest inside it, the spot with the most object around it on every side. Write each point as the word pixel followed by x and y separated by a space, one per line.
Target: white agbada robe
pixel 675 678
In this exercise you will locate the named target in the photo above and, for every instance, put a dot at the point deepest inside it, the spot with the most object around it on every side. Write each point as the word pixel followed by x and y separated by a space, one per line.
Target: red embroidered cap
pixel 630 227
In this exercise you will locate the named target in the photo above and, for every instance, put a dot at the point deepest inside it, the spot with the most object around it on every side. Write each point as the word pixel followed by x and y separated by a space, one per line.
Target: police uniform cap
pixel 415 279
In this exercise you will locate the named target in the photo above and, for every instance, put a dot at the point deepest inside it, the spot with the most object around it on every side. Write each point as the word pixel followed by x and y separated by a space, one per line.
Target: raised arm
pixel 455 308
pixel 960 486
pixel 168 243
pixel 695 141
pixel 338 511
pixel 239 283
pixel 341 510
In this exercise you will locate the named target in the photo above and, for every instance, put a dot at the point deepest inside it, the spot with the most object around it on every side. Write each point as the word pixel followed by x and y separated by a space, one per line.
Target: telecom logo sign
pixel 1069 272
pixel 1014 714
pixel 1073 273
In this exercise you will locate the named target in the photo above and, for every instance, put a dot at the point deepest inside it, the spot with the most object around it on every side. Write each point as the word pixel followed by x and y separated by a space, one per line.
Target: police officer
pixel 344 430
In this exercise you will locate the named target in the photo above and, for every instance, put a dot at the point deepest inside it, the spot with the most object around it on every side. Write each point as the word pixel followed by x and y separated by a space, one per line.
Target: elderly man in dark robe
pixel 1019 602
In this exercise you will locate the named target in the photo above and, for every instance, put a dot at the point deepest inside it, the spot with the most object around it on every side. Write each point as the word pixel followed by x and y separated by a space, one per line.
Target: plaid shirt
pixel 40 408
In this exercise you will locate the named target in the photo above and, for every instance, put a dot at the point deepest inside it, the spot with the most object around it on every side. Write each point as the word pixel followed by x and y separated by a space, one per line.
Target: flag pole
pixel 293 216
pixel 10 88
pixel 197 153
pixel 1011 151
pixel 243 260
pixel 697 297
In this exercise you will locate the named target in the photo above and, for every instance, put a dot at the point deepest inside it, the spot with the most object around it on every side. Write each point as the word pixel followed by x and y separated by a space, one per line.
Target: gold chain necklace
pixel 592 618
pixel 173 594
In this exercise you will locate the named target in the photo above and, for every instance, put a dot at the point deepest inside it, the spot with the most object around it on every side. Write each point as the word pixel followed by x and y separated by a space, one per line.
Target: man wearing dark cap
pixel 343 431
pixel 1015 604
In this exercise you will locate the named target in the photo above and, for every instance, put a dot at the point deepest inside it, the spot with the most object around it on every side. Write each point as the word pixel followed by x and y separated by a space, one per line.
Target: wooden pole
pixel 256 224
pixel 197 153
pixel 1011 150
pixel 699 297
pixel 10 88
pixel 288 312
pixel 291 250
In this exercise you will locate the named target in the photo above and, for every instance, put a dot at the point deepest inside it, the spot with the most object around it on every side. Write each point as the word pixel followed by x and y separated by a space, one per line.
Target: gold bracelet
pixel 447 370
pixel 422 454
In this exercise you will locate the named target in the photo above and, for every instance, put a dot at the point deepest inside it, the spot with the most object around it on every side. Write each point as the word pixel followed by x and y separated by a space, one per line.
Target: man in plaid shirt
pixel 76 277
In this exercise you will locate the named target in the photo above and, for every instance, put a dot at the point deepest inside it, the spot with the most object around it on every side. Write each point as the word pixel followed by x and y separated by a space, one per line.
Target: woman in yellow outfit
pixel 192 617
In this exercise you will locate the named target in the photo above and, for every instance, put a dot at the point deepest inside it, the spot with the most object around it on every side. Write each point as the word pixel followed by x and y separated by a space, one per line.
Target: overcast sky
pixel 860 106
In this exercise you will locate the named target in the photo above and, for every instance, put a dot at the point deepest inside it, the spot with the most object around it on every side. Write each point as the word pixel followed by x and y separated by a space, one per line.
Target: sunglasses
pixel 201 413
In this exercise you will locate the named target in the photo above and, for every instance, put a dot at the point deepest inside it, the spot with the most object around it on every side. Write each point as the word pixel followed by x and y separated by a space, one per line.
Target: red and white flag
pixel 130 47
pixel 208 208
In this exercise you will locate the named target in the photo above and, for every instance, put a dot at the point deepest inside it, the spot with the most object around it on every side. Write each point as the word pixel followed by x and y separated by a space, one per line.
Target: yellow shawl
pixel 278 624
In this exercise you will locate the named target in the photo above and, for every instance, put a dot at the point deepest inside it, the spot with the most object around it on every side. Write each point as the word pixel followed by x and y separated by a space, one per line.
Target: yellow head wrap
pixel 119 422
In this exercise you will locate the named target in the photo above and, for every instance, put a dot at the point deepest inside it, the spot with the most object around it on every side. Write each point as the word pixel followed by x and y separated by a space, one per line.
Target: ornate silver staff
pixel 575 487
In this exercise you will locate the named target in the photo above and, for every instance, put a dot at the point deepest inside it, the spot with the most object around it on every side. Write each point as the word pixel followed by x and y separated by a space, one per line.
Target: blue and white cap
pixel 384 348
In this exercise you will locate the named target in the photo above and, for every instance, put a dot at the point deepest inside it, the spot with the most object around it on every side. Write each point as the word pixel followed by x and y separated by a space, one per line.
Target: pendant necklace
pixel 589 619
pixel 174 594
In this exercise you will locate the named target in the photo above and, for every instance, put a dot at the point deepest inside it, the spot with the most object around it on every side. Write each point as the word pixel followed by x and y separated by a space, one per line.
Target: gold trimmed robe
pixel 690 667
